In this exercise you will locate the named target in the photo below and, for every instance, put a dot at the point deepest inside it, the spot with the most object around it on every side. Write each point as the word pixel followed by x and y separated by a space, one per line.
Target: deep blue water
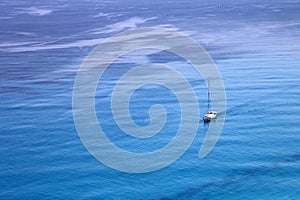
pixel 256 48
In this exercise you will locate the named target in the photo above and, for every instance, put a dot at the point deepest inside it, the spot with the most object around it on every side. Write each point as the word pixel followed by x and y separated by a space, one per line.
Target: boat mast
pixel 208 94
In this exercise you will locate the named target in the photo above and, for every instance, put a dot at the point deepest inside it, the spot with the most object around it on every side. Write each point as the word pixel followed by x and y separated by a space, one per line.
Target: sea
pixel 255 45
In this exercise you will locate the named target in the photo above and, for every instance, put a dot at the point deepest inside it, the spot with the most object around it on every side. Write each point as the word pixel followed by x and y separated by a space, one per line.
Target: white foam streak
pixel 35 11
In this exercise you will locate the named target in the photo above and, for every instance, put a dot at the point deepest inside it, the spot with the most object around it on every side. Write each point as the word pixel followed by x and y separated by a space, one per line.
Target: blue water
pixel 256 48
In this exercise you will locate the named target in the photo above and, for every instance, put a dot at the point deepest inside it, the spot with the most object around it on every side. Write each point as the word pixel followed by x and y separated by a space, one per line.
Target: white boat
pixel 210 114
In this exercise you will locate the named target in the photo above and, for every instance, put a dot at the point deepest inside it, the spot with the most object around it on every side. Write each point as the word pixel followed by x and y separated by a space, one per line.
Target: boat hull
pixel 211 115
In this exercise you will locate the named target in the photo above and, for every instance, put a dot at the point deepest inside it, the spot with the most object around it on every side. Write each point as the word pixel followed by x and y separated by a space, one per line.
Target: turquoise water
pixel 256 48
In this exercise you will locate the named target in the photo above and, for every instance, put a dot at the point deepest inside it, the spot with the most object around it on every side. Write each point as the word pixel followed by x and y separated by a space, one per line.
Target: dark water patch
pixel 18 90
pixel 235 176
pixel 164 57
